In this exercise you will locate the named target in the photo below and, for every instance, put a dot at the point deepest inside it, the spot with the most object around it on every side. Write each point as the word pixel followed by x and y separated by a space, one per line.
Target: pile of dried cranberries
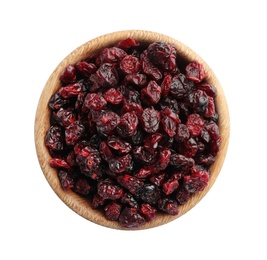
pixel 133 132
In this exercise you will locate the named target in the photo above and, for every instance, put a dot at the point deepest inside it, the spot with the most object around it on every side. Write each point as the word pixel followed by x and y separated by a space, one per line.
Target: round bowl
pixel 42 123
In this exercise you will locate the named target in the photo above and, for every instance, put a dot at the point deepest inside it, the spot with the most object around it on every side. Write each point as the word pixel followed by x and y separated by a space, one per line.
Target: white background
pixel 229 223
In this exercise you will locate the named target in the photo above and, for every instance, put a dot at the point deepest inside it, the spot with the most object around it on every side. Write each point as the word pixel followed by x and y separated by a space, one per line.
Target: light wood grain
pixel 72 200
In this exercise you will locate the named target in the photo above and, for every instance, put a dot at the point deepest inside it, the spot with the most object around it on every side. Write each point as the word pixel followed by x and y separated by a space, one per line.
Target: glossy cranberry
pixel 109 191
pixel 113 96
pixel 128 124
pixel 82 186
pixel 64 116
pixel 127 44
pixel 137 79
pixel 68 75
pixel 59 163
pixel 71 90
pixel 74 132
pixel 195 71
pixel 150 120
pixel 113 210
pixel 130 65
pixel 131 183
pixel 151 94
pixel 66 180
pixel 196 182
pixel 148 212
pixel 195 124
pixel 131 218
pixel 119 145
pixel 149 193
pixel 120 164
pixel 54 138
pixel 168 205
pixel 94 101
pixel 107 122
pixel 85 68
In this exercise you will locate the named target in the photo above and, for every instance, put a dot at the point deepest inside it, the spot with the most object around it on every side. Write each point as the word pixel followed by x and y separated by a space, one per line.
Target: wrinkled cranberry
pixel 131 183
pixel 59 163
pixel 196 182
pixel 130 65
pixel 82 186
pixel 107 75
pixel 149 193
pixel 109 191
pixel 118 144
pixel 131 218
pixel 150 95
pixel 195 124
pixel 195 71
pixel 111 55
pixel 54 139
pixel 107 122
pixel 113 210
pixel 74 132
pixel 150 120
pixel 68 75
pixel 168 205
pixel 148 212
pixel 64 116
pixel 66 180
pixel 138 79
pixel 127 44
pixel 70 90
pixel 180 86
pixel 128 124
pixel 113 96
pixel 120 164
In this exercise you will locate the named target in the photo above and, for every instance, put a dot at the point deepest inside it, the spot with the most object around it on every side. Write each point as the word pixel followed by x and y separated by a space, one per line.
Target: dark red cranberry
pixel 182 133
pixel 82 186
pixel 120 164
pixel 150 95
pixel 127 44
pixel 129 200
pixel 130 65
pixel 118 144
pixel 195 71
pixel 182 196
pixel 180 86
pixel 105 151
pixel 131 218
pixel 109 191
pixel 64 116
pixel 149 193
pixel 137 79
pixel 57 101
pixel 151 142
pixel 54 139
pixel 168 205
pixel 71 90
pixel 148 212
pixel 131 183
pixel 113 210
pixel 113 96
pixel 170 186
pixel 94 101
pixel 107 122
pixel 107 75
pixel 68 75
pixel 111 55
pixel 150 120
pixel 128 124
pixel 66 180
pixel 74 132
pixel 158 52
pixel 85 68
pixel 59 163
pixel 196 182
pixel 195 124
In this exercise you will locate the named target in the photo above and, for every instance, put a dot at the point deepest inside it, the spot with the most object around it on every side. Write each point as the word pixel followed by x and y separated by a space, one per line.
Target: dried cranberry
pixel 149 193
pixel 118 144
pixel 131 218
pixel 180 86
pixel 182 195
pixel 68 75
pixel 150 120
pixel 128 124
pixel 168 205
pixel 196 182
pixel 131 183
pixel 151 142
pixel 107 122
pixel 71 90
pixel 130 65
pixel 109 191
pixel 66 180
pixel 107 75
pixel 127 43
pixel 195 124
pixel 54 139
pixel 74 132
pixel 166 85
pixel 120 164
pixel 113 210
pixel 150 95
pixel 148 211
pixel 85 68
pixel 138 79
pixel 111 55
pixel 64 116
pixel 94 101
pixel 113 96
pixel 195 71
pixel 105 151
pixel 82 186
pixel 182 133
pixel 57 101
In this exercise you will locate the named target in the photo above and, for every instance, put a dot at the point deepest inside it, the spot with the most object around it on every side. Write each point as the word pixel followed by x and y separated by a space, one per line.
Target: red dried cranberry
pixel 182 133
pixel 150 95
pixel 130 65
pixel 105 151
pixel 64 116
pixel 109 191
pixel 131 183
pixel 128 124
pixel 54 138
pixel 166 85
pixel 74 132
pixel 182 196
pixel 107 75
pixel 168 205
pixel 148 212
pixel 94 101
pixel 195 124
pixel 120 164
pixel 127 44
pixel 140 80
pixel 150 120
pixel 68 75
pixel 57 101
pixel 113 96
pixel 85 68
pixel 113 210
pixel 107 122
pixel 82 186
pixel 71 90
pixel 180 86
pixel 163 159
pixel 143 172
pixel 149 193
pixel 195 71
pixel 59 163
pixel 131 218
pixel 118 144
pixel 196 182
pixel 111 55
pixel 158 52
pixel 66 180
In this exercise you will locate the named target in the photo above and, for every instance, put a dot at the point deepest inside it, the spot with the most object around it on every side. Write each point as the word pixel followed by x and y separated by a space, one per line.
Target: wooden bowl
pixel 42 123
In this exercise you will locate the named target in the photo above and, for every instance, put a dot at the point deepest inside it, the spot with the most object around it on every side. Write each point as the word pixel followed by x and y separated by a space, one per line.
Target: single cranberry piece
pixel 182 133
pixel 158 52
pixel 195 124
pixel 131 183
pixel 163 159
pixel 74 132
pixel 168 124
pixel 59 163
pixel 143 172
pixel 198 100
pixel 181 160
pixel 71 90
pixel 196 182
pixel 111 55
pixel 166 85
pixel 54 139
pixel 107 75
pixel 120 164
pixel 168 205
pixel 113 210
pixel 105 151
pixel 189 148
pixel 131 218
pixel 132 107
pixel 109 191
pixel 142 155
pixel 127 44
pixel 68 75
pixel 107 122
pixel 57 101
pixel 170 186
pixel 210 109
pixel 150 120
pixel 148 212
pixel 113 96
pixel 150 95
pixel 89 160
pixel 118 144
pixel 158 179
pixel 182 195
pixel 94 101
pixel 97 201
pixel 82 186
pixel 130 65
pixel 66 180
pixel 195 71
pixel 85 68
pixel 137 79
pixel 128 124
pixel 64 116
pixel 208 88
pixel 213 130
pixel 180 86
pixel 149 193
pixel 151 142
pixel 129 200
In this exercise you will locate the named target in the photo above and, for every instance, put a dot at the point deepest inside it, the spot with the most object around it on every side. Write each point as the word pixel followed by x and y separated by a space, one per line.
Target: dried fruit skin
pixel 134 130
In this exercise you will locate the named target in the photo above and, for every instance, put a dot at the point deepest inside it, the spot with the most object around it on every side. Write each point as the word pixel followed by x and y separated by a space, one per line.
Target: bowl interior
pixel 42 123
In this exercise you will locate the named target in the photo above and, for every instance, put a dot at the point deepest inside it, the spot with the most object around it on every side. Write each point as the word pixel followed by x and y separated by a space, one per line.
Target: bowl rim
pixel 41 124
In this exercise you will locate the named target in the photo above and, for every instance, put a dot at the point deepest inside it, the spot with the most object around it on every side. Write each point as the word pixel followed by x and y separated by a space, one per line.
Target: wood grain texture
pixel 72 200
